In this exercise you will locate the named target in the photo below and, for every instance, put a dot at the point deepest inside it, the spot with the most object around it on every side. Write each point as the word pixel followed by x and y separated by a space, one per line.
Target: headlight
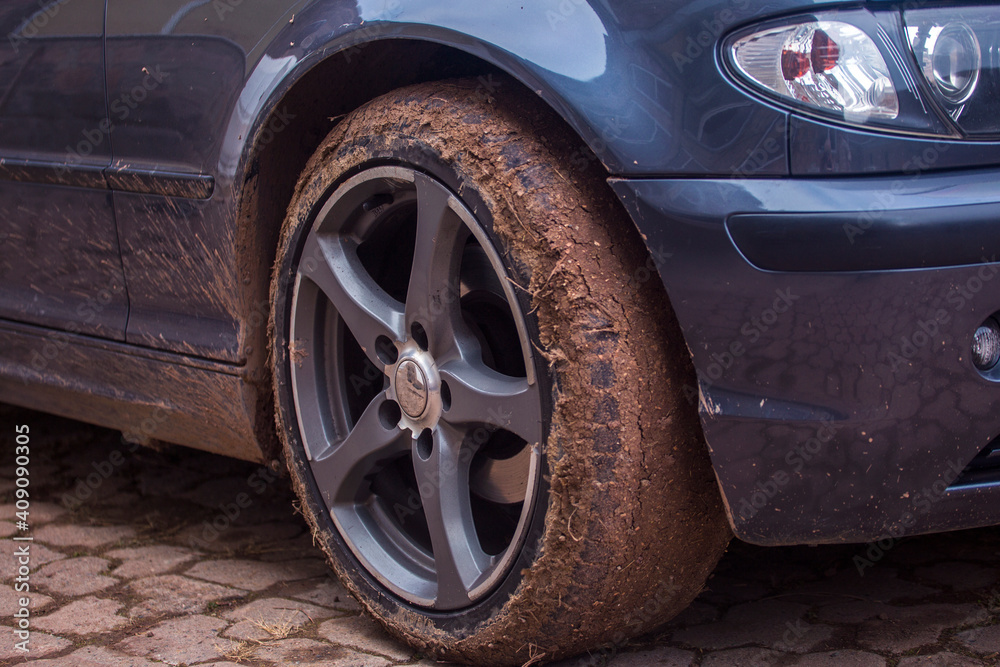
pixel 958 52
pixel 951 59
pixel 851 66
pixel 829 65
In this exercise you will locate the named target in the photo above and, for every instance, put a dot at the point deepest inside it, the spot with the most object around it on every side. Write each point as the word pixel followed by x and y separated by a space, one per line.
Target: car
pixel 538 304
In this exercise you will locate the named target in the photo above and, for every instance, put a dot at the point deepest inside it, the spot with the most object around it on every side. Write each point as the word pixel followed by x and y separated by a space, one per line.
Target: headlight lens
pixel 829 65
pixel 958 51
pixel 952 59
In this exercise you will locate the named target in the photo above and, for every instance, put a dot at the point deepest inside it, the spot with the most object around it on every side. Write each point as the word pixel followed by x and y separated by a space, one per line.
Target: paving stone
pixel 40 644
pixel 311 653
pixel 223 491
pixel 82 536
pixel 906 628
pixel 853 612
pixel 841 659
pixel 277 505
pixel 296 548
pixel 87 491
pixel 744 657
pixel 329 593
pixel 232 539
pixel 10 601
pixel 981 640
pixel 697 613
pixel 171 593
pixel 158 480
pixel 84 616
pixel 38 513
pixel 178 641
pixel 148 561
pixel 881 584
pixel 97 460
pixel 363 634
pixel 959 576
pixel 38 553
pixel 975 549
pixel 7 529
pixel 772 623
pixel 917 552
pixel 74 576
pixel 255 575
pixel 94 656
pixel 945 659
pixel 725 591
pixel 665 656
pixel 121 500
pixel 277 613
pixel 593 659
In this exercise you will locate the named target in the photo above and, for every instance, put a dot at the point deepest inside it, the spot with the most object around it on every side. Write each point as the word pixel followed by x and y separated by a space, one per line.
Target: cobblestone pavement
pixel 184 558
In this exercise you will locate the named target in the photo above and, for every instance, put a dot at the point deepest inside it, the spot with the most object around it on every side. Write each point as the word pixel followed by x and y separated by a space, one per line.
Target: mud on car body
pixel 539 304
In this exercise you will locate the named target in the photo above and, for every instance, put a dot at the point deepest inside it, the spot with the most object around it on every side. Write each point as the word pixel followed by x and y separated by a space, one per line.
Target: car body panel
pixel 621 100
pixel 166 397
pixel 832 401
pixel 821 149
pixel 175 72
pixel 59 255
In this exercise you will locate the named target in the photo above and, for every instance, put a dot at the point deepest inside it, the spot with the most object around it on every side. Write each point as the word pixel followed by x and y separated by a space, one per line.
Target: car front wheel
pixel 478 385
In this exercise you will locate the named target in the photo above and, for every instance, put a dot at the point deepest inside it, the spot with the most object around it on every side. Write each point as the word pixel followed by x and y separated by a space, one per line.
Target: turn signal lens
pixel 829 65
pixel 986 346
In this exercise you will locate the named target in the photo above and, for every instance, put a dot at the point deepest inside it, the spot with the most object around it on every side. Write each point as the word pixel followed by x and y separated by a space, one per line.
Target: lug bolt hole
pixel 425 444
pixel 419 335
pixel 445 396
pixel 390 414
pixel 386 350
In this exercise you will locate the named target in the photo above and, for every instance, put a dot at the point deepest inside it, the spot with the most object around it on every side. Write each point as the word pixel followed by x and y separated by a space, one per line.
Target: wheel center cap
pixel 411 388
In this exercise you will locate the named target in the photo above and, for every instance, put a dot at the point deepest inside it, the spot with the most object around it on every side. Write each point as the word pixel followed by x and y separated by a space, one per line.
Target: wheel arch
pixel 302 109
pixel 307 105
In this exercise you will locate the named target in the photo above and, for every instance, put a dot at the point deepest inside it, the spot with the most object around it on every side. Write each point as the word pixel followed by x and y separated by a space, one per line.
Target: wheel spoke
pixel 365 307
pixel 432 298
pixel 480 395
pixel 443 481
pixel 340 469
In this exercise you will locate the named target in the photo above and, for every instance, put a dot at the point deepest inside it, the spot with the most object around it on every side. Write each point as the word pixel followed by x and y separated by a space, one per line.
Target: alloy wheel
pixel 414 387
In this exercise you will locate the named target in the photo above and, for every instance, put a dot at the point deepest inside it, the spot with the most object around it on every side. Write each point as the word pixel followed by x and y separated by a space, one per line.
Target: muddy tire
pixel 490 441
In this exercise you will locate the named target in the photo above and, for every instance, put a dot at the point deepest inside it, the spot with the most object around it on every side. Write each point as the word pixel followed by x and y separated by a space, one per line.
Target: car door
pixel 175 70
pixel 60 265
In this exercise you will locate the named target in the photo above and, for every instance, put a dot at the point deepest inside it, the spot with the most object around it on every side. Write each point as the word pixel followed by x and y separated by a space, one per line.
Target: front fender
pixel 638 81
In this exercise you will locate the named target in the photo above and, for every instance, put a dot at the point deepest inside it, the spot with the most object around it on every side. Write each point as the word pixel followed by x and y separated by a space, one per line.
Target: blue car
pixel 538 303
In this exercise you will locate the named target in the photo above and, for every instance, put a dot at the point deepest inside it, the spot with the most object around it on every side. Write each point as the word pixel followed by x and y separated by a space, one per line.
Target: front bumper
pixel 836 389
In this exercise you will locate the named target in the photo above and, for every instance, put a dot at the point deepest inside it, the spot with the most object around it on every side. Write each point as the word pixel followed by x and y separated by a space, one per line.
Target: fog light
pixel 986 346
